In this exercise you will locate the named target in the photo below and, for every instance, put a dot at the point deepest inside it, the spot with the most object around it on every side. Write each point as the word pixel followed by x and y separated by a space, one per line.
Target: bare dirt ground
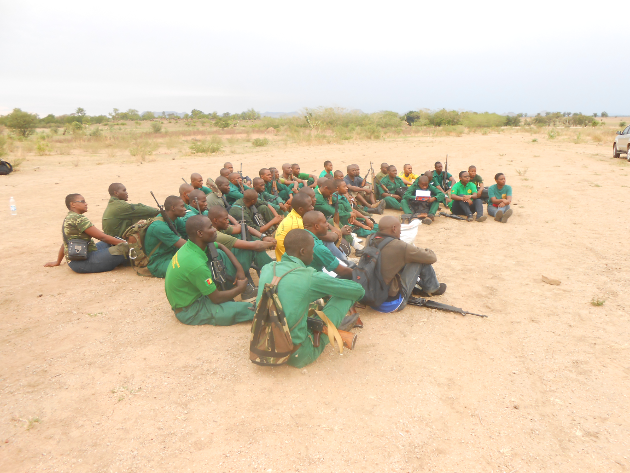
pixel 97 375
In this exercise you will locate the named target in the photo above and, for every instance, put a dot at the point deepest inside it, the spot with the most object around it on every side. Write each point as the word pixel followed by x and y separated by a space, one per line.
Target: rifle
pixel 217 267
pixel 456 217
pixel 274 186
pixel 336 219
pixel 164 216
pixel 385 189
pixel 185 182
pixel 258 218
pixel 243 224
pixel 317 326
pixel 420 302
pixel 445 182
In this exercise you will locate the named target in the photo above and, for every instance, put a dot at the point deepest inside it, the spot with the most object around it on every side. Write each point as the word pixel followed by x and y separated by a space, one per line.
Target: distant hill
pixel 280 114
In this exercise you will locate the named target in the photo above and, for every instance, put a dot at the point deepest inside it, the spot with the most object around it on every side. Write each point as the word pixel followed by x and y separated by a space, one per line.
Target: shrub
pixel 552 134
pixel 142 149
pixel 96 132
pixel 257 142
pixel 3 141
pixel 22 123
pixel 43 148
pixel 156 127
pixel 222 122
pixel 207 147
pixel 622 124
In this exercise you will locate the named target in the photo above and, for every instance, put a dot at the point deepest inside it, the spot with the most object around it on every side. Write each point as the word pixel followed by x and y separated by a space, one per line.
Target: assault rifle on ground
pixel 420 302
pixel 456 217
pixel 168 221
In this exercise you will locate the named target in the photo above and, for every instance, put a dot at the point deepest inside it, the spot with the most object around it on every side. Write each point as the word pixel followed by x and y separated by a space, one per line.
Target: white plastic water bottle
pixel 13 206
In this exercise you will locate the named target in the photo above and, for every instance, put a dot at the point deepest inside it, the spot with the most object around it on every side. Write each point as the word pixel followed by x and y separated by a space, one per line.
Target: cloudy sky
pixel 496 56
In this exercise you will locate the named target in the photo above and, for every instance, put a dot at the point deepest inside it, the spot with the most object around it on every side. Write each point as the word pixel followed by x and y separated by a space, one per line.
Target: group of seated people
pixel 233 221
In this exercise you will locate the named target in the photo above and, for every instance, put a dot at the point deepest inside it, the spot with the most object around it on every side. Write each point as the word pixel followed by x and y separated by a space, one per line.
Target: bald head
pixel 197 193
pixel 216 211
pixel 423 179
pixel 225 172
pixel 312 218
pixel 195 175
pixel 196 223
pixel 221 180
pixel 228 165
pixel 185 189
pixel 250 196
pixel 171 201
pixel 389 225
pixel 298 242
pixel 302 203
pixel 114 187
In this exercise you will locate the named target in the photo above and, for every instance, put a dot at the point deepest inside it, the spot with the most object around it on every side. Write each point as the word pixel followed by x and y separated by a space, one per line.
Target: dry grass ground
pixel 98 375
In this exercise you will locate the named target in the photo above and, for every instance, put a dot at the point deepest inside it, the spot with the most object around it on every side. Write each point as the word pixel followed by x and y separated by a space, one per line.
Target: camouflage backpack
pixel 135 236
pixel 270 343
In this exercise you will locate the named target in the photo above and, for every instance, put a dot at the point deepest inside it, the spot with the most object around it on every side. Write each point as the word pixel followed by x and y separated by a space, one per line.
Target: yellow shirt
pixel 411 177
pixel 291 221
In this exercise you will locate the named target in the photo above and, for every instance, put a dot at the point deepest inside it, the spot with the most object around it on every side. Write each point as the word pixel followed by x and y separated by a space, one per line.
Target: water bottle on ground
pixel 13 206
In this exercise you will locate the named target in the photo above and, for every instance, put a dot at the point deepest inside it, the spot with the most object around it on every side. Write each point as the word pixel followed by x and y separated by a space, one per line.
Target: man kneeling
pixel 303 286
pixel 189 284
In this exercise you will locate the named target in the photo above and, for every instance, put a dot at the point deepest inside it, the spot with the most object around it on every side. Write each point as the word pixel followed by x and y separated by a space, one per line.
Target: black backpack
pixel 5 168
pixel 368 273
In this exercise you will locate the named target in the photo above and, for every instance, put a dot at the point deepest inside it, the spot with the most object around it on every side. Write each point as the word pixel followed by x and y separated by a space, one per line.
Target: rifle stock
pixel 243 224
pixel 336 219
pixel 318 327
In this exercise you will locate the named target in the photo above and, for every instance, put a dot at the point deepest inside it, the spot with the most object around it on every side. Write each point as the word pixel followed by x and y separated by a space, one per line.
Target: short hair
pixel 227 162
pixel 225 172
pixel 185 187
pixel 331 184
pixel 219 181
pixel 170 201
pixel 437 162
pixel 196 194
pixel 256 180
pixel 114 187
pixel 327 162
pixel 70 198
pixel 460 173
pixel 195 223
pixel 195 175
pixel 472 166
pixel 250 194
pixel 262 171
pixel 297 239
pixel 233 175
pixel 311 217
pixel 406 165
pixel 423 178
pixel 216 211
pixel 384 165
pixel 350 166
pixel 302 200
pixel 390 167
pixel 498 175
pixel 321 182
pixel 338 171
pixel 306 190
pixel 337 182
pixel 387 222
pixel 295 164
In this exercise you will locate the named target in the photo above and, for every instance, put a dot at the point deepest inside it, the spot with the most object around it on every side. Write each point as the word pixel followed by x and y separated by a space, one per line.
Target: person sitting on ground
pixel 184 192
pixel 265 197
pixel 119 214
pixel 249 205
pixel 338 174
pixel 299 288
pixel 500 198
pixel 164 238
pixel 418 206
pixel 236 188
pixel 198 204
pixel 477 180
pixel 315 223
pixel 302 203
pixel 77 226
pixel 190 286
pixel 225 172
pixel 382 172
pixel 328 170
pixel 359 221
pixel 223 185
pixel 465 199
pixel 406 269
pixel 395 187
pixel 288 180
pixel 408 177
pixel 246 179
pixel 304 178
pixel 437 179
pixel 197 182
pixel 359 188
pixel 270 176
pixel 228 165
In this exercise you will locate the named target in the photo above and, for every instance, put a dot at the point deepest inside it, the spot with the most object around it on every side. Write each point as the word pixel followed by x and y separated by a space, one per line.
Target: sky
pixel 283 56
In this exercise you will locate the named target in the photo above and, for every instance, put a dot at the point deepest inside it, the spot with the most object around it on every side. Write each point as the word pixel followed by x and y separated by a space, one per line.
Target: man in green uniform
pixel 328 170
pixel 161 241
pixel 437 178
pixel 197 182
pixel 287 179
pixel 265 197
pixel 428 205
pixel 236 186
pixel 383 172
pixel 304 178
pixel 270 176
pixel 465 199
pixel 315 223
pixel 184 192
pixel 500 198
pixel 119 214
pixel 392 182
pixel 196 198
pixel 189 283
pixel 477 180
pixel 248 206
pixel 360 224
pixel 303 286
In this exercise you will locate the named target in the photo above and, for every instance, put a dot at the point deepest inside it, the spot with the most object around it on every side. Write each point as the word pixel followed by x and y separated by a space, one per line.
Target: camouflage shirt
pixel 74 226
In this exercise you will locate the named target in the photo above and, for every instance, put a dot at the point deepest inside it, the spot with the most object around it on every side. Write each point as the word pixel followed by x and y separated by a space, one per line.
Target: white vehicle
pixel 622 143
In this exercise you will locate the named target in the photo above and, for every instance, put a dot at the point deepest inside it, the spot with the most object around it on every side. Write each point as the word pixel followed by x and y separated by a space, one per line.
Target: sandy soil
pixel 97 375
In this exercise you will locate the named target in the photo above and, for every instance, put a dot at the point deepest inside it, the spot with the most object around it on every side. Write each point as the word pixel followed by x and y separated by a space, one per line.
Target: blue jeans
pixel 462 208
pixel 336 251
pixel 492 210
pixel 98 261
pixel 409 278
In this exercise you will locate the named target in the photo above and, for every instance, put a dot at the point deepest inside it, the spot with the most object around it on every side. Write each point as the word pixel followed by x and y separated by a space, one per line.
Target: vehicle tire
pixel 615 153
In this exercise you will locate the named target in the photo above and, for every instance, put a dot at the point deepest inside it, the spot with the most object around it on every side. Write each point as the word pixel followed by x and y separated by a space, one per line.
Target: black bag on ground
pixel 400 191
pixel 368 273
pixel 5 168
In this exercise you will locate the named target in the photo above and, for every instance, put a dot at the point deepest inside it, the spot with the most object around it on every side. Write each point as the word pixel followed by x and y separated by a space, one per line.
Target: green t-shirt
pixel 494 191
pixel 437 179
pixel 160 233
pixel 188 276
pixel 74 226
pixel 206 190
pixel 322 257
pixel 460 189
pixel 327 174
pixel 477 180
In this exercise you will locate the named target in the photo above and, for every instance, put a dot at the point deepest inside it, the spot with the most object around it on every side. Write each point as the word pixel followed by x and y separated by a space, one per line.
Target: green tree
pixel 197 114
pixel 604 114
pixel 22 123
pixel 80 112
pixel 148 116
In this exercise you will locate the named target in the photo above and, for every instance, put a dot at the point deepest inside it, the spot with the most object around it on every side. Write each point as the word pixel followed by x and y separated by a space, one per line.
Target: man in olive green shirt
pixel 303 286
pixel 119 214
pixel 161 241
pixel 391 182
pixel 189 282
pixel 247 206
pixel 265 197
pixel 428 205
